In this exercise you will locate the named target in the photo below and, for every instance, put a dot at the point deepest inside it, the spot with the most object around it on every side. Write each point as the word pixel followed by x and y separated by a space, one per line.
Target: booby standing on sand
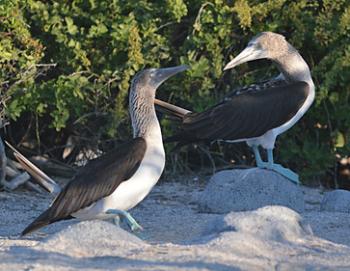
pixel 117 181
pixel 256 114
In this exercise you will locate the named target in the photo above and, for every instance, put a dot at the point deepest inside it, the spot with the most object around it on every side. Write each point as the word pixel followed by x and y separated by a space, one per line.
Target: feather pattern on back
pixel 246 115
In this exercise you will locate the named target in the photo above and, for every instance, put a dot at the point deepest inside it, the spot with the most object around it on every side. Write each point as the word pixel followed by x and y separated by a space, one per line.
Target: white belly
pixel 129 193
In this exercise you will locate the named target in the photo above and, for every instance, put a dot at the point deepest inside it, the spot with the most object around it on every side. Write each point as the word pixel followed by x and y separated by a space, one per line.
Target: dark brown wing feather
pixel 98 179
pixel 247 115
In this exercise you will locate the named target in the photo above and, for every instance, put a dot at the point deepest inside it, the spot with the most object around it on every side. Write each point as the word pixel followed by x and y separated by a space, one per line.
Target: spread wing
pixel 98 179
pixel 246 115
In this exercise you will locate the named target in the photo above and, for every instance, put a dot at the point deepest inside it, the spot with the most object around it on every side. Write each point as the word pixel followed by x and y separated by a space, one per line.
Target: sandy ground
pixel 177 236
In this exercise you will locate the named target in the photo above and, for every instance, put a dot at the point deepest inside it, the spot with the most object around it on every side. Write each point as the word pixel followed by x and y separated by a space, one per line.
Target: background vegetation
pixel 65 70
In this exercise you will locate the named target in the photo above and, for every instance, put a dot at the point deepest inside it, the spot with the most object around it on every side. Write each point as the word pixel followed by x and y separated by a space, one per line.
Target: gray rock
pixel 336 201
pixel 249 189
pixel 270 223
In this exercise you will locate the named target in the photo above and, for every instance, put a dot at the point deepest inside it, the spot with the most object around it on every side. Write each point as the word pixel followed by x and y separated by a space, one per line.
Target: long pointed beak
pixel 248 54
pixel 165 73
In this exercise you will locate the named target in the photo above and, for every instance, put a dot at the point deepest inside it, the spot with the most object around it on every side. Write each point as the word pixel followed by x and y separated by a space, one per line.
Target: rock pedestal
pixel 249 189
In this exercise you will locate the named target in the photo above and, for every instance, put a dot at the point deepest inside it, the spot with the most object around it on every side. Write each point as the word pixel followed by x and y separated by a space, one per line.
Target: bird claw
pixel 136 227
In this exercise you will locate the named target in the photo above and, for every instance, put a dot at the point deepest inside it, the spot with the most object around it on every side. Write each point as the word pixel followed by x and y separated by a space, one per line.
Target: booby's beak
pixel 164 73
pixel 248 54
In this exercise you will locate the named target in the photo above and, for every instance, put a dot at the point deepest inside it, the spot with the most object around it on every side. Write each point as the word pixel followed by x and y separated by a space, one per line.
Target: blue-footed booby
pixel 110 185
pixel 258 113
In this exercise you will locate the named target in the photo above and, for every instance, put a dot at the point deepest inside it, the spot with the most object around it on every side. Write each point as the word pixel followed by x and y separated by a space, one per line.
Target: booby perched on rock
pixel 117 181
pixel 256 114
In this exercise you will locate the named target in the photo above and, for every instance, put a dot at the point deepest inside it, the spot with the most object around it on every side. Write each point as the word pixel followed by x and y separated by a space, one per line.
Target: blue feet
pixel 290 175
pixel 134 226
pixel 258 160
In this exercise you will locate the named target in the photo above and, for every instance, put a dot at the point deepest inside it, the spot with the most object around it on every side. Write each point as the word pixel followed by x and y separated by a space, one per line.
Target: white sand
pixel 177 237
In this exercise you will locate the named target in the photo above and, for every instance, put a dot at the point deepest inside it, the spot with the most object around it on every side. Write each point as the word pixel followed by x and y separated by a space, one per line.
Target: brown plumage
pixel 120 179
pixel 246 115
pixel 99 178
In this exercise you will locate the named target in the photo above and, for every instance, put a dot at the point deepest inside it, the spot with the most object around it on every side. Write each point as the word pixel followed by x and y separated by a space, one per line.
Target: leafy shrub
pixel 19 54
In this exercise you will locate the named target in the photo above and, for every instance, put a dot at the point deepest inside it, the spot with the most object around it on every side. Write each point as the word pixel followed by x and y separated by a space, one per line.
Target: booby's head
pixel 264 45
pixel 141 99
pixel 151 79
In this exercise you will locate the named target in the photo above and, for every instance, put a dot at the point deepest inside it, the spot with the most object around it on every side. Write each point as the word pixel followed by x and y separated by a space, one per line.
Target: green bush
pixel 98 46
pixel 19 55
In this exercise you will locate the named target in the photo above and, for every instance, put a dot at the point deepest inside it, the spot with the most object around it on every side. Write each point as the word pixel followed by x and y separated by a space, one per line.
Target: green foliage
pixel 19 54
pixel 98 46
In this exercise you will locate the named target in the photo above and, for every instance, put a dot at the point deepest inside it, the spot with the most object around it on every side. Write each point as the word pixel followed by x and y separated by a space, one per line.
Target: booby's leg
pixel 134 226
pixel 280 169
pixel 258 160
pixel 116 220
pixel 270 161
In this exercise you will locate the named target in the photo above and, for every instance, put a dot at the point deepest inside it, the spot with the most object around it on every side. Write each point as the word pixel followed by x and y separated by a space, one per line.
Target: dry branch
pixel 17 181
pixel 11 172
pixel 41 178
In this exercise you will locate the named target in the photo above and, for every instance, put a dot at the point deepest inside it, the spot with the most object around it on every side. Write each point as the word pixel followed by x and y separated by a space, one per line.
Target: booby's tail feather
pixel 39 176
pixel 38 223
pixel 170 109
pixel 46 218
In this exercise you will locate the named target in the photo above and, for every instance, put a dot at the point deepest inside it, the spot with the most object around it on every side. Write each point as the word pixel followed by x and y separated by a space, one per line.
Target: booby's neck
pixel 143 115
pixel 293 67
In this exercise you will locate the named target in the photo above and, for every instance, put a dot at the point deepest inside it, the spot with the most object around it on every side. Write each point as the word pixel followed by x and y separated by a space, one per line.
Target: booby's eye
pixel 152 73
pixel 258 46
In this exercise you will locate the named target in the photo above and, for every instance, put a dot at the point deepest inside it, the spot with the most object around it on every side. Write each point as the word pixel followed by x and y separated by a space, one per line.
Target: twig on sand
pixel 16 181
pixel 15 178
pixel 39 176
pixel 11 172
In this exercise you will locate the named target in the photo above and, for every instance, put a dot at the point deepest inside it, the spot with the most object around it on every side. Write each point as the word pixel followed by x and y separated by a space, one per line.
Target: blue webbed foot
pixel 289 174
pixel 134 226
pixel 285 172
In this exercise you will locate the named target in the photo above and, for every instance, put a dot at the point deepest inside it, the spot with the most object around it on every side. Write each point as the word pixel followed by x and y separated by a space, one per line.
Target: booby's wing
pixel 246 115
pixel 180 112
pixel 98 179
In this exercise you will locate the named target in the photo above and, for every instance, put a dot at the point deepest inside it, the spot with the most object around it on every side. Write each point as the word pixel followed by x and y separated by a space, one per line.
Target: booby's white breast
pixel 130 192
